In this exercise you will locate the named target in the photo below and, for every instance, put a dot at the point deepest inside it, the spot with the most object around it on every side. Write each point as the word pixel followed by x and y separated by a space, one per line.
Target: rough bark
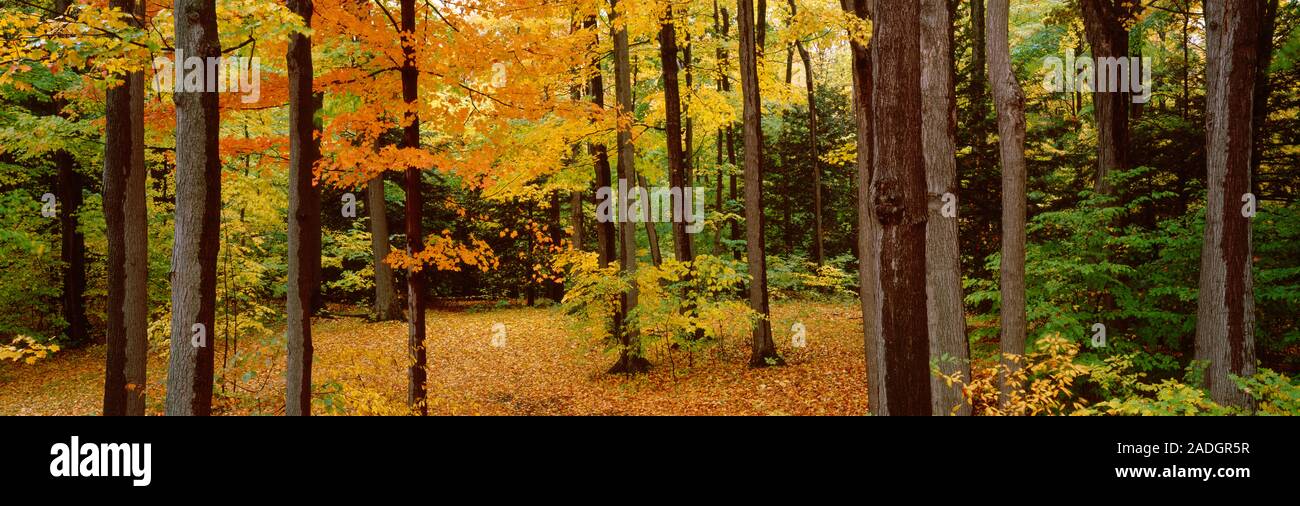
pixel 630 360
pixel 72 247
pixel 1010 103
pixel 136 231
pixel 386 307
pixel 302 155
pixel 1103 24
pixel 899 205
pixel 198 220
pixel 682 250
pixel 117 165
pixel 868 277
pixel 947 321
pixel 1225 316
pixel 416 397
pixel 762 349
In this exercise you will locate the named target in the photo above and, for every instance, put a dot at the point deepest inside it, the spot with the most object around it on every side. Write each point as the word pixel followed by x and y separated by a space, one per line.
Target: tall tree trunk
pixel 416 396
pixel 117 165
pixel 630 360
pixel 1263 88
pixel 136 230
pixel 72 247
pixel 1103 23
pixel 947 321
pixel 198 221
pixel 682 250
pixel 817 253
pixel 1010 103
pixel 607 247
pixel 386 307
pixel 312 235
pixel 763 349
pixel 301 219
pixel 1225 316
pixel 899 206
pixel 868 265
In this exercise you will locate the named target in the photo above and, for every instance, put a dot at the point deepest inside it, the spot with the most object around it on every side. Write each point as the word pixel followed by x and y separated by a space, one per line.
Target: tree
pixel 118 148
pixel 1009 101
pixel 947 320
pixel 1225 315
pixel 303 219
pixel 630 360
pixel 868 277
pixel 386 307
pixel 682 250
pixel 198 222
pixel 818 256
pixel 763 349
pixel 416 373
pixel 1104 23
pixel 136 231
pixel 898 204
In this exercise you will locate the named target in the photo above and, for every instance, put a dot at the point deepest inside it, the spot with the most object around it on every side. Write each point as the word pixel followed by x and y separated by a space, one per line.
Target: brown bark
pixel 682 250
pixel 302 220
pixel 1010 103
pixel 899 205
pixel 386 307
pixel 868 253
pixel 947 321
pixel 630 360
pixel 1225 316
pixel 763 349
pixel 118 146
pixel 1103 22
pixel 198 220
pixel 136 230
pixel 416 396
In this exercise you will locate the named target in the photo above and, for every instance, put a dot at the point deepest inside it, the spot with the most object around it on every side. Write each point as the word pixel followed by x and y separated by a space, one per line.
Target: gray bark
pixel 1010 103
pixel 386 307
pixel 947 320
pixel 1225 315
pixel 198 220
pixel 762 349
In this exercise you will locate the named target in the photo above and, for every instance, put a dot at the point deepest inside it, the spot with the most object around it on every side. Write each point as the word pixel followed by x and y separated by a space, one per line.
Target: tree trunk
pixel 818 256
pixel 386 307
pixel 554 290
pixel 682 250
pixel 198 221
pixel 301 272
pixel 604 229
pixel 899 206
pixel 72 248
pixel 763 349
pixel 947 321
pixel 1225 316
pixel 575 220
pixel 416 396
pixel 117 165
pixel 1010 103
pixel 136 230
pixel 630 360
pixel 312 235
pixel 1103 23
pixel 868 254
pixel 1263 88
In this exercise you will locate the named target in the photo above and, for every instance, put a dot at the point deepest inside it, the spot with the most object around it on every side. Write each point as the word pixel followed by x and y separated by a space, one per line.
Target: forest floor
pixel 543 369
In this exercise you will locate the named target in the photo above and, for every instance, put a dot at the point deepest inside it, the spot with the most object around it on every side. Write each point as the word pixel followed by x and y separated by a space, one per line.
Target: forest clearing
pixel 541 370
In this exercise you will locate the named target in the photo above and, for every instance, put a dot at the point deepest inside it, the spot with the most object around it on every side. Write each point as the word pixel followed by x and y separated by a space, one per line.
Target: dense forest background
pixel 518 101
